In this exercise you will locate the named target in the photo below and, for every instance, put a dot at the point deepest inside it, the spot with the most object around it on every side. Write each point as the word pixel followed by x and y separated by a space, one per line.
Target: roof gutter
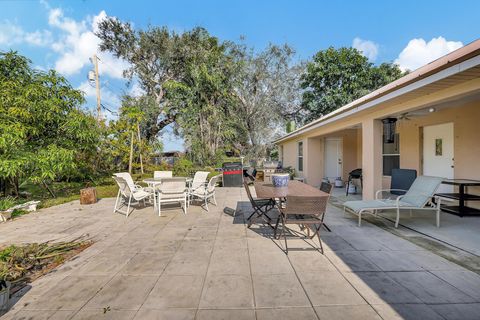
pixel 452 63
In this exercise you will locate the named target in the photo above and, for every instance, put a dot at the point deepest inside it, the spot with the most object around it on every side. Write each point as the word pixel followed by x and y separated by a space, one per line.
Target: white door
pixel 438 156
pixel 333 158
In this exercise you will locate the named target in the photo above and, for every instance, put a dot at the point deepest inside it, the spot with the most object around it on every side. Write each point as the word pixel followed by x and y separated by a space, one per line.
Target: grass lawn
pixel 66 192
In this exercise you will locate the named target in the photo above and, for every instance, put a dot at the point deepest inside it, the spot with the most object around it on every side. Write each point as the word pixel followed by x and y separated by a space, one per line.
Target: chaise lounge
pixel 418 197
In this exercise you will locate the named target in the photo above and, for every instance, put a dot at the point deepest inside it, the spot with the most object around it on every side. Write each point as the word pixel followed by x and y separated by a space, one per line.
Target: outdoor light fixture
pixel 431 110
pixel 389 130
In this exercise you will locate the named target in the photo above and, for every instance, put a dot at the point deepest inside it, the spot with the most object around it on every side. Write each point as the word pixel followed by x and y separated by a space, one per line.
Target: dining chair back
pixel 162 174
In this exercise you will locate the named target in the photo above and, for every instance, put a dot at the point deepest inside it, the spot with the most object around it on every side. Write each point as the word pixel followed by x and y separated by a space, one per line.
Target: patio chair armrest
pixel 397 201
pixel 385 190
pixel 204 185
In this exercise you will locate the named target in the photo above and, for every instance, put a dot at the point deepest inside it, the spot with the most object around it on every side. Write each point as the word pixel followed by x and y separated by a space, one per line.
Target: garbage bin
pixel 232 174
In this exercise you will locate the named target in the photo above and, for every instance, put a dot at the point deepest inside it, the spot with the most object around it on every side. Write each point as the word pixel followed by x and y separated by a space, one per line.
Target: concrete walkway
pixel 210 266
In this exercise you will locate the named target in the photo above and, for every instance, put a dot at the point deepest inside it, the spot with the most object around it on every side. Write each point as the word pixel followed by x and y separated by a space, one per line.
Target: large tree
pixel 336 77
pixel 156 55
pixel 44 134
pixel 268 92
pixel 206 116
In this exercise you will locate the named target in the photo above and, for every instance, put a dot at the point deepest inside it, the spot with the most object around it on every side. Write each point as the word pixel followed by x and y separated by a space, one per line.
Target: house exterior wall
pixel 363 149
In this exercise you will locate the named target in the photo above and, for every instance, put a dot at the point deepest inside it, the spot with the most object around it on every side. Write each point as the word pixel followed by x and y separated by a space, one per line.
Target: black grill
pixel 232 174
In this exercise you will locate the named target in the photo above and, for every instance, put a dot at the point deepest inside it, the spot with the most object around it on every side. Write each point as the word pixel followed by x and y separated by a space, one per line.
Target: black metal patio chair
pixel 260 206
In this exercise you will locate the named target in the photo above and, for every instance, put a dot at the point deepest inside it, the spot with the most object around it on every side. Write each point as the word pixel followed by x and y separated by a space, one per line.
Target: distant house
pixel 428 120
pixel 170 157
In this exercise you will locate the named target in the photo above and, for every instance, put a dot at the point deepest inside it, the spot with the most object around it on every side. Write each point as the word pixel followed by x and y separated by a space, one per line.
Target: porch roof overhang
pixel 454 68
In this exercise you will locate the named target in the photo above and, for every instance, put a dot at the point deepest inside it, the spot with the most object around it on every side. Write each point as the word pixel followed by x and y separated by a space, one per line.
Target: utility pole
pixel 97 84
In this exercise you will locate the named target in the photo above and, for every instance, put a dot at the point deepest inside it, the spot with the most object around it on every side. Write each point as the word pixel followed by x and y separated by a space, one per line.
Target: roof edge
pixel 455 57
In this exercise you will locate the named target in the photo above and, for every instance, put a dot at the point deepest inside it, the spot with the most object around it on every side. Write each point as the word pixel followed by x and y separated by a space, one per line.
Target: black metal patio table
pixel 461 196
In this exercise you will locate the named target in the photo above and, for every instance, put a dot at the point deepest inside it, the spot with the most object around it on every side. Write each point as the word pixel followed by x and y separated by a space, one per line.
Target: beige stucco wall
pixel 290 154
pixel 362 150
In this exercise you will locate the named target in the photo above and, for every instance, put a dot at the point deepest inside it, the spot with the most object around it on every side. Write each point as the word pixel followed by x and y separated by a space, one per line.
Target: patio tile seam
pixel 169 261
pixel 303 288
pixel 354 288
pixel 206 273
pixel 451 284
pixel 111 278
pixel 250 268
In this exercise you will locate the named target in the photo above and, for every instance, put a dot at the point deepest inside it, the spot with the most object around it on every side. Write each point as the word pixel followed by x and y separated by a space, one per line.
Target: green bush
pixel 183 167
pixel 6 203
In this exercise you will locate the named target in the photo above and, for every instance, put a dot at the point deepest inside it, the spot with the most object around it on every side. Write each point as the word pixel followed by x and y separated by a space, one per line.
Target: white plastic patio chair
pixel 418 197
pixel 207 191
pixel 162 174
pixel 126 194
pixel 199 181
pixel 173 190
pixel 135 187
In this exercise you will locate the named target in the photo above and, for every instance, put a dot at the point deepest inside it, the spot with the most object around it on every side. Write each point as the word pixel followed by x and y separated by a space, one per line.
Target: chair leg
pixel 276 228
pixel 284 230
pixel 128 208
pixel 159 207
pixel 317 232
pixel 206 203
pixel 185 206
pixel 214 199
pixel 438 212
pixel 116 202
pixel 398 218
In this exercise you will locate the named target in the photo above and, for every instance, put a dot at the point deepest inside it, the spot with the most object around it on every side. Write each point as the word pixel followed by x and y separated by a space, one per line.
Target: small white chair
pixel 206 192
pixel 125 192
pixel 199 181
pixel 162 174
pixel 173 190
pixel 135 187
pixel 129 180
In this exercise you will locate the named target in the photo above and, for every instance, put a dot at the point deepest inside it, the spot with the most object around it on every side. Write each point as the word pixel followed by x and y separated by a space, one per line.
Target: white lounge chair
pixel 173 190
pixel 418 197
pixel 207 191
pixel 126 194
pixel 162 174
pixel 199 181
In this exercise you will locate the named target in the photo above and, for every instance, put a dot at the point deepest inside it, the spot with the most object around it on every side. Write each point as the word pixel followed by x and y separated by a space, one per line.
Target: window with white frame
pixel 391 154
pixel 300 156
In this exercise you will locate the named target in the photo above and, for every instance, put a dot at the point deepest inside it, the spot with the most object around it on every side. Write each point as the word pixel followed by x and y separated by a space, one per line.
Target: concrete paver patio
pixel 211 266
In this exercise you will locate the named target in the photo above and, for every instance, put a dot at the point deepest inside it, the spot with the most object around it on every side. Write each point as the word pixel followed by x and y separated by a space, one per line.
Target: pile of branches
pixel 24 263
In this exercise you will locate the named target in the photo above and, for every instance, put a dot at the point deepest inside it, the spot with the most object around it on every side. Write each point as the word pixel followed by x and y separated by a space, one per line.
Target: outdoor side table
pixel 461 196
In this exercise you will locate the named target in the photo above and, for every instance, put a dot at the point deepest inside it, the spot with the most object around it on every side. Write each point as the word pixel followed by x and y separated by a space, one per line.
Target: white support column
pixel 371 157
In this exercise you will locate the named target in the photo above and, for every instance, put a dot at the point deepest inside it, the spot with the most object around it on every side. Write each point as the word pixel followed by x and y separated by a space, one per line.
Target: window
pixel 300 156
pixel 281 154
pixel 391 155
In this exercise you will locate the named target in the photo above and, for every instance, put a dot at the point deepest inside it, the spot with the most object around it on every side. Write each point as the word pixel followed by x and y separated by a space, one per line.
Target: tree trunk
pixel 140 148
pixel 131 154
pixel 48 189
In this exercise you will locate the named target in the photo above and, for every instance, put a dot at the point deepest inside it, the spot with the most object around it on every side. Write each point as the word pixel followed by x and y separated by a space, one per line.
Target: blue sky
pixel 58 34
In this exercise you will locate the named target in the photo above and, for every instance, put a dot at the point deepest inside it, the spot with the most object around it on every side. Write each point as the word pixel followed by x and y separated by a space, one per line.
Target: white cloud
pixel 136 90
pixel 418 52
pixel 368 48
pixel 11 34
pixel 79 43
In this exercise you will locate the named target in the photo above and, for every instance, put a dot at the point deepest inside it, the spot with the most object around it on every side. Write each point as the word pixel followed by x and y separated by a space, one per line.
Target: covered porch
pixel 433 115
